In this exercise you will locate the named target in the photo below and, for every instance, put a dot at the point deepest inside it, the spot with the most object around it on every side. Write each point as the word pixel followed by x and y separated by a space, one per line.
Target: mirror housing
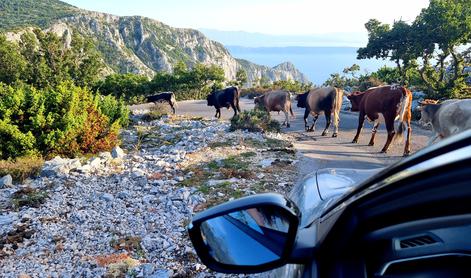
pixel 233 238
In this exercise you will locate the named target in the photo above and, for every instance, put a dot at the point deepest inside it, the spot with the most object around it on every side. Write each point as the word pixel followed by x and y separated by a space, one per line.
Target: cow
pixel 276 101
pixel 322 100
pixel 447 118
pixel 393 102
pixel 168 97
pixel 228 97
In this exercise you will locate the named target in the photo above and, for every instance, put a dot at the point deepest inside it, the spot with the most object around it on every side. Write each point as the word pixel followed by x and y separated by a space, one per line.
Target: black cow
pixel 323 100
pixel 168 97
pixel 228 97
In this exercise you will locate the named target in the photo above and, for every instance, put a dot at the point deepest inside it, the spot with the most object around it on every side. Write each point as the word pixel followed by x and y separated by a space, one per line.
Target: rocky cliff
pixel 141 45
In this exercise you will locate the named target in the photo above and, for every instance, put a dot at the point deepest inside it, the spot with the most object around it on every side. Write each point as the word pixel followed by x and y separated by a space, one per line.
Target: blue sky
pixel 280 17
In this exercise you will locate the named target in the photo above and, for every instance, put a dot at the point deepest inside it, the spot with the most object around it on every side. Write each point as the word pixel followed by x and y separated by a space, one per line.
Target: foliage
pixel 291 86
pixel 66 120
pixel 127 86
pixel 194 83
pixel 44 60
pixel 241 78
pixel 350 80
pixel 256 120
pixel 23 13
pixel 21 168
pixel 12 64
pixel 437 34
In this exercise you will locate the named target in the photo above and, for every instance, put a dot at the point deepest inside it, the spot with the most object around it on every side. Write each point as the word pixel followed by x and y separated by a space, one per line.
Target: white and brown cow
pixel 276 101
pixel 447 118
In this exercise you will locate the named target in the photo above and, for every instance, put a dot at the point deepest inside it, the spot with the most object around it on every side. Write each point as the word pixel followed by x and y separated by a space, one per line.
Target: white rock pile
pixel 93 203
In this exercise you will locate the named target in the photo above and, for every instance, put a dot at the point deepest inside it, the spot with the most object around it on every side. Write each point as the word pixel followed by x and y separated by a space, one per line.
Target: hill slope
pixel 134 44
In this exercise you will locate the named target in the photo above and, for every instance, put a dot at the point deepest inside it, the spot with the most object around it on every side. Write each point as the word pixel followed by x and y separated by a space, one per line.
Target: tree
pixel 127 86
pixel 396 44
pixel 241 77
pixel 51 61
pixel 12 64
pixel 435 35
pixel 441 29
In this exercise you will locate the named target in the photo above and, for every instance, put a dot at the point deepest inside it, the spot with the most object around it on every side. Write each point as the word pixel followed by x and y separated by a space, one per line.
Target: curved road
pixel 317 152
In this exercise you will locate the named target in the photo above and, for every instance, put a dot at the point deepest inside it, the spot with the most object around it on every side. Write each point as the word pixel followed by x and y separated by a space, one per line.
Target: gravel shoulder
pixel 124 214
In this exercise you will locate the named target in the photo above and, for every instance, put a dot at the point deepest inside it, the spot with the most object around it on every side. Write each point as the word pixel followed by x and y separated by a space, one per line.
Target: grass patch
pixel 214 145
pixel 248 154
pixel 156 112
pixel 199 178
pixel 21 168
pixel 269 143
pixel 28 197
pixel 256 120
pixel 129 244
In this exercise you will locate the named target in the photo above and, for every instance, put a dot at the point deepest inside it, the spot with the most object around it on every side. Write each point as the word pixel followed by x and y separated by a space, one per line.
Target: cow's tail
pixel 173 100
pixel 337 105
pixel 404 114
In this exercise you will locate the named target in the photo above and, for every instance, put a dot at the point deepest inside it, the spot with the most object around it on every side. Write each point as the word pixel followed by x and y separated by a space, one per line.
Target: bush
pixel 257 120
pixel 66 120
pixel 156 112
pixel 22 167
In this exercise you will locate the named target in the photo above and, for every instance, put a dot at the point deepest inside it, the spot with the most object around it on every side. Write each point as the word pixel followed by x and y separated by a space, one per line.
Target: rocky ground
pixel 124 213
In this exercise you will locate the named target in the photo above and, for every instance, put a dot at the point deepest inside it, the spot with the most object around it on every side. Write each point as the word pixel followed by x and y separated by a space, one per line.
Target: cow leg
pixel 234 108
pixel 314 121
pixel 218 113
pixel 328 120
pixel 407 147
pixel 336 125
pixel 287 119
pixel 306 115
pixel 389 119
pixel 361 121
pixel 373 133
pixel 173 108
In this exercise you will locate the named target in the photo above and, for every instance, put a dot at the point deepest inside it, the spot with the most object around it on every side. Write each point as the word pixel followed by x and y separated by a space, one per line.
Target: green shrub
pixel 256 120
pixel 66 120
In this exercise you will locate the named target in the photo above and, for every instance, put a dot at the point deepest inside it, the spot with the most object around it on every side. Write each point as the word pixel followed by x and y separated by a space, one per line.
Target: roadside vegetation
pixel 431 53
pixel 256 120
pixel 46 106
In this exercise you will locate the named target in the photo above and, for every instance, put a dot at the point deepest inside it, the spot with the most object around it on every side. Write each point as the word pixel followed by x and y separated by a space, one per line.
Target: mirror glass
pixel 247 237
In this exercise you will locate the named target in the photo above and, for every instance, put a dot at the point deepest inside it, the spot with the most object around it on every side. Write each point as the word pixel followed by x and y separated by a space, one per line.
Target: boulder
pixel 6 181
pixel 117 152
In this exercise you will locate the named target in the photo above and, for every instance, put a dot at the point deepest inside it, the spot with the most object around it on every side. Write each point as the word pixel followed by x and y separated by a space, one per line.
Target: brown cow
pixel 275 101
pixel 393 102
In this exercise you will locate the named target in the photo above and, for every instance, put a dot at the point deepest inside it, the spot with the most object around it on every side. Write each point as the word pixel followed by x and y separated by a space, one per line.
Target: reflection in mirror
pixel 248 237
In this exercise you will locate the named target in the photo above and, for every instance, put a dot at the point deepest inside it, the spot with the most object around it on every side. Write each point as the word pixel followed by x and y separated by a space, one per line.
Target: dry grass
pixel 21 168
pixel 106 260
pixel 156 112
pixel 28 197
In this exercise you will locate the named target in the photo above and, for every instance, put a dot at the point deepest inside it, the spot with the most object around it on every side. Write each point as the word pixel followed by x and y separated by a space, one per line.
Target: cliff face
pixel 142 45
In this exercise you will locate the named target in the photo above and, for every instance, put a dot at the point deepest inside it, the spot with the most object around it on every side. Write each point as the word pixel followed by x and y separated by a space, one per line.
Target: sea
pixel 315 62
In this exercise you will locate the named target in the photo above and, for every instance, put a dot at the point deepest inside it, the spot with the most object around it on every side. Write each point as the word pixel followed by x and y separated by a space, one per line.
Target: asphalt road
pixel 316 151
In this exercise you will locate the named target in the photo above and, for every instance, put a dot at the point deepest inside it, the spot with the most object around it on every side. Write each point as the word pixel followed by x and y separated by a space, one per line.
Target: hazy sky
pixel 264 16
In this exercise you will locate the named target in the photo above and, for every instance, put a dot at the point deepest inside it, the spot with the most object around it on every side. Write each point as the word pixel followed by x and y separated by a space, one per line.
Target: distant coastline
pixel 316 62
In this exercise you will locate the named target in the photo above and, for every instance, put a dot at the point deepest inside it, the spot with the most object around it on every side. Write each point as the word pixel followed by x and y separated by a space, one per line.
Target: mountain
pixel 133 44
pixel 248 39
